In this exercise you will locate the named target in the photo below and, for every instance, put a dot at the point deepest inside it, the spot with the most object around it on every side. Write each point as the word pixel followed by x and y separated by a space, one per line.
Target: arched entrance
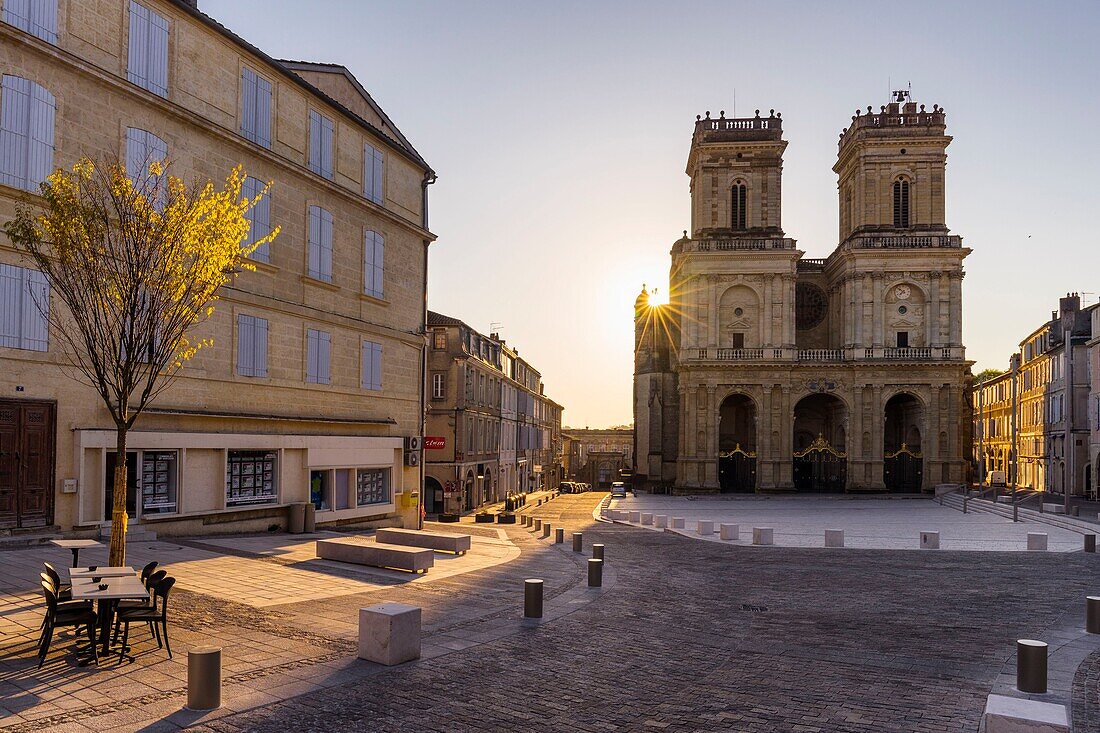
pixel 820 444
pixel 433 496
pixel 902 460
pixel 737 444
pixel 468 495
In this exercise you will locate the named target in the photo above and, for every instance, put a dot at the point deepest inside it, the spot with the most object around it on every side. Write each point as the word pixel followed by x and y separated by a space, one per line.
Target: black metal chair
pixel 156 613
pixel 149 581
pixel 63 590
pixel 57 616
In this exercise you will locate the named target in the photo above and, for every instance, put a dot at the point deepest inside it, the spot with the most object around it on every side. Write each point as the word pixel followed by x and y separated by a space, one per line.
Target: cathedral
pixel 766 371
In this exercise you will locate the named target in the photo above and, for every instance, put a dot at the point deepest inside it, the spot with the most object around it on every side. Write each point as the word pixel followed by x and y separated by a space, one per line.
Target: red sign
pixel 434 443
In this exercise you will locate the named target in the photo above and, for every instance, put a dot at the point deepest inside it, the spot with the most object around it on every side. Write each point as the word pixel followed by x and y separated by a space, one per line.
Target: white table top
pixel 102 572
pixel 117 589
pixel 70 544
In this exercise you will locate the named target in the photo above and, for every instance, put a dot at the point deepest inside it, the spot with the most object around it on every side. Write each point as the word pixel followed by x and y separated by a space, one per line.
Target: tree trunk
pixel 118 503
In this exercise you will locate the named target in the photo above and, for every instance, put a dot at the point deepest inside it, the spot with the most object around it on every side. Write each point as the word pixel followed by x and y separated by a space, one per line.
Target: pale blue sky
pixel 560 132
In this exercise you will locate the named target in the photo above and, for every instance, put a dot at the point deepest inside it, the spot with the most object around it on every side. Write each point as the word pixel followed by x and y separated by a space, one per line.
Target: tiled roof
pixel 438 319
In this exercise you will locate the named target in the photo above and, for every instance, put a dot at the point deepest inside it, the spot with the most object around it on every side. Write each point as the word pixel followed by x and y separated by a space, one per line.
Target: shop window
pixel 372 486
pixel 251 478
pixel 159 482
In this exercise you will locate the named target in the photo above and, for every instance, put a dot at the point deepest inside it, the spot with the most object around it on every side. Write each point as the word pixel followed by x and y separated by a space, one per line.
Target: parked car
pixel 618 490
pixel 567 487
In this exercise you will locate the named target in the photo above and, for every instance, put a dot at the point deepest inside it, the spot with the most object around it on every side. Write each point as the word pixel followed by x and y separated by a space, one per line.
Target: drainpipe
pixel 429 179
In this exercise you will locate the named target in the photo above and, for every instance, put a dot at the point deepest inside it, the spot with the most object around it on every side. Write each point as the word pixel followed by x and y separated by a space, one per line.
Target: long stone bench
pixel 459 544
pixel 361 552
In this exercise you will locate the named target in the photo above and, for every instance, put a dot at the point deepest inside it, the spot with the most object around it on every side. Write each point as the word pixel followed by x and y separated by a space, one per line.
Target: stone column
pixel 766 320
pixel 877 306
pixel 955 322
pixel 789 301
pixel 877 420
pixel 786 438
pixel 765 476
pixel 865 311
pixel 932 316
pixel 682 438
pixel 944 321
pixel 855 421
pixel 711 431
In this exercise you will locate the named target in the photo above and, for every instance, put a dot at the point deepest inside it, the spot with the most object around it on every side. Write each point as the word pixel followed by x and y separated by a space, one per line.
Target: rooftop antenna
pixel 495 326
pixel 735 102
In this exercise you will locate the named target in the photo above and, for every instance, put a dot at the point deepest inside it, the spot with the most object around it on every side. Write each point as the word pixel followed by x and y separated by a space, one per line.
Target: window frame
pixel 439 386
pixel 320 235
pixel 322 157
pixel 24 130
pixel 249 367
pixel 151 77
pixel 370 365
pixel 739 218
pixel 374 174
pixel 244 501
pixel 23 310
pixel 318 356
pixel 41 24
pixel 902 202
pixel 260 214
pixel 252 111
pixel 374 264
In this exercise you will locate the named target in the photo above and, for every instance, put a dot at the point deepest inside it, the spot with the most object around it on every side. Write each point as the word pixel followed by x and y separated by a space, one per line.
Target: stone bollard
pixel 727 531
pixel 1031 666
pixel 597 552
pixel 545 529
pixel 1090 543
pixel 1077 510
pixel 705 527
pixel 389 633
pixel 1037 540
pixel 635 517
pixel 834 538
pixel 532 598
pixel 559 536
pixel 578 542
pixel 595 572
pixel 647 518
pixel 538 524
pixel 1092 614
pixel 763 535
pixel 930 540
pixel 204 678
pixel 677 522
pixel 526 520
pixel 660 520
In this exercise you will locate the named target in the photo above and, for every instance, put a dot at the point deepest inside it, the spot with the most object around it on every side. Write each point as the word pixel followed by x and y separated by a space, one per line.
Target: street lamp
pixel 1014 365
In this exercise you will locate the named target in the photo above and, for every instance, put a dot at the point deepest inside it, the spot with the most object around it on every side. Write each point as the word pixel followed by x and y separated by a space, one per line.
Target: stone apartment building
pixel 491 431
pixel 1053 404
pixel 598 457
pixel 768 371
pixel 1093 350
pixel 315 377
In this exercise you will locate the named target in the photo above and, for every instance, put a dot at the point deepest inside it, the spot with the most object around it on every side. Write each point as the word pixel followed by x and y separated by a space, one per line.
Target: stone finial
pixel 757 113
pixel 698 117
pixel 771 112
pixel 708 114
pixel 778 115
pixel 685 233
pixel 935 108
pixel 922 108
pixel 722 115
pixel 868 109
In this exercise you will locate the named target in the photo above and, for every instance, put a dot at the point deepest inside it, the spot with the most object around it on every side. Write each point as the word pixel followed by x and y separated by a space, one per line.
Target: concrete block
pixel 834 538
pixel 441 541
pixel 389 633
pixel 635 517
pixel 358 551
pixel 660 520
pixel 1005 714
pixel 647 518
pixel 763 535
pixel 930 540
pixel 705 527
pixel 1054 508
pixel 1037 540
pixel 677 522
pixel 727 531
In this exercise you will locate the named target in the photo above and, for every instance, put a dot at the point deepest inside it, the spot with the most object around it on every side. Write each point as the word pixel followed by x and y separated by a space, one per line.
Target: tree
pixel 987 374
pixel 137 265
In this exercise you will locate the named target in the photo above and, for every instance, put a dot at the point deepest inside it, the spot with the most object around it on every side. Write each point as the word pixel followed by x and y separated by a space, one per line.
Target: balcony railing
pixel 730 354
pixel 727 245
pixel 906 241
pixel 912 353
pixel 821 355
pixel 907 353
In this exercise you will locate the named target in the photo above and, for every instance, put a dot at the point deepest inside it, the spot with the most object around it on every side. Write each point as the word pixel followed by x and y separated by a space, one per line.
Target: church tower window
pixel 901 203
pixel 738 206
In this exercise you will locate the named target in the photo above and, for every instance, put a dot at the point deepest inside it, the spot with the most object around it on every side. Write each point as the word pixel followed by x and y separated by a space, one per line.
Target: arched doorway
pixel 433 496
pixel 820 444
pixel 737 444
pixel 902 460
pixel 468 496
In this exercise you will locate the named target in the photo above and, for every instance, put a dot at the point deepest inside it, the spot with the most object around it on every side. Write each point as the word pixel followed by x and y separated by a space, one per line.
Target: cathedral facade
pixel 768 371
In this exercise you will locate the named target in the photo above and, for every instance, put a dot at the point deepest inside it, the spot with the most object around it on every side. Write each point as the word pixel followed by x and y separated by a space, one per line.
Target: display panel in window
pixel 372 486
pixel 251 477
pixel 159 482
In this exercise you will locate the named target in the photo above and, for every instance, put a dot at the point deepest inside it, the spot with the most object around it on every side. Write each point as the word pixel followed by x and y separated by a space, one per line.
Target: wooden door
pixel 26 463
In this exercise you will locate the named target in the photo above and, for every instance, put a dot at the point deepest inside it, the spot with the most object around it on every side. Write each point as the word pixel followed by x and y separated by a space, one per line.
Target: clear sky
pixel 560 133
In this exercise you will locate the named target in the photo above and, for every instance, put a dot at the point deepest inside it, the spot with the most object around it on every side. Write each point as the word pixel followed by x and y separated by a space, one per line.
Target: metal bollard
pixel 538 524
pixel 595 572
pixel 965 499
pixel 204 678
pixel 1092 614
pixel 532 598
pixel 597 552
pixel 559 536
pixel 1015 513
pixel 1031 665
pixel 1090 543
pixel 1077 511
pixel 545 530
pixel 578 542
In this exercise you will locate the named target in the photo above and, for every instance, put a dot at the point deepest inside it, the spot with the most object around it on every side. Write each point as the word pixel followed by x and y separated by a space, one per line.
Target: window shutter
pixel 158 54
pixel 18 13
pixel 379 264
pixel 259 217
pixel 326 245
pixel 373 170
pixel 260 351
pixel 137 60
pixel 312 370
pixel 378 176
pixel 248 103
pixel 11 305
pixel 326 147
pixel 314 141
pixel 320 243
pixel 246 336
pixel 324 344
pixel 255 108
pixel 43 17
pixel 14 132
pixel 373 263
pixel 263 111
pixel 40 139
pixel 36 302
pixel 376 366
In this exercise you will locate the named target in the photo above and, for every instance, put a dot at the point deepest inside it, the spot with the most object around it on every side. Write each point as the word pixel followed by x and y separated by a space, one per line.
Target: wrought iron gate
pixel 737 470
pixel 820 467
pixel 903 470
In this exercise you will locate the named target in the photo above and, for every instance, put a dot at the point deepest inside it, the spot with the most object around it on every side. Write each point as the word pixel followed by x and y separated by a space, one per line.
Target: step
pixel 134 533
pixel 20 541
pixel 1055 520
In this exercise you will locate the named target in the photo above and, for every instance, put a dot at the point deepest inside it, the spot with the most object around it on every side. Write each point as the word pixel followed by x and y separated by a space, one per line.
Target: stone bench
pixel 705 526
pixel 677 522
pixel 1054 508
pixel 660 520
pixel 389 633
pixel 1015 715
pixel 361 552
pixel 459 544
pixel 1037 540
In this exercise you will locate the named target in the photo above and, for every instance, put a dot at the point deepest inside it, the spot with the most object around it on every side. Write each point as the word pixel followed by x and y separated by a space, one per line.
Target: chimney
pixel 1069 304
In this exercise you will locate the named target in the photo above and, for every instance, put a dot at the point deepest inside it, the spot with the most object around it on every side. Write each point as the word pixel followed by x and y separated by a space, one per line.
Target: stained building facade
pixel 769 371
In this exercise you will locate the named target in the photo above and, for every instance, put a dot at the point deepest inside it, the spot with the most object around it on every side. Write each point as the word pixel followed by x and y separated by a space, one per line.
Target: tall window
pixel 901 203
pixel 371 366
pixel 37 17
pixel 373 264
pixel 903 339
pixel 259 218
pixel 318 351
pixel 439 386
pixel 24 298
pixel 26 133
pixel 440 341
pixel 320 243
pixel 738 206
pixel 320 144
pixel 373 173
pixel 255 108
pixel 147 62
pixel 251 346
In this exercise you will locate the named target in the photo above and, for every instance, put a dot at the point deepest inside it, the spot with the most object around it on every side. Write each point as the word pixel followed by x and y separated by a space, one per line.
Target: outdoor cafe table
pixel 101 572
pixel 118 588
pixel 76 546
